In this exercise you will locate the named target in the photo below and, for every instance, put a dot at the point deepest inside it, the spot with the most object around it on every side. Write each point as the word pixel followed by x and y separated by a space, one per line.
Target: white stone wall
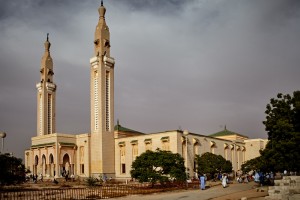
pixel 177 145
pixel 253 146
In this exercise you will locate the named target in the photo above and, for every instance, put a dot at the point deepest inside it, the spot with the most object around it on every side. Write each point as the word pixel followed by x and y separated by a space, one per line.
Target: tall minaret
pixel 46 95
pixel 102 101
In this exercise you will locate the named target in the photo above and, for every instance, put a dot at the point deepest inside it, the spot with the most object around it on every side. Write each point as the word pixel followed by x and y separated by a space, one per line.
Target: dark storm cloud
pixel 194 64
pixel 154 6
pixel 227 56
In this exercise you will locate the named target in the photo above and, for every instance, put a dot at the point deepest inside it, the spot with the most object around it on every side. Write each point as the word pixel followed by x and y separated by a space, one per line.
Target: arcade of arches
pixel 45 164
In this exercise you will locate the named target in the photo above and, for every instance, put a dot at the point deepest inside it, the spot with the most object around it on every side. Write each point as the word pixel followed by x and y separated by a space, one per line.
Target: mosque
pixel 109 150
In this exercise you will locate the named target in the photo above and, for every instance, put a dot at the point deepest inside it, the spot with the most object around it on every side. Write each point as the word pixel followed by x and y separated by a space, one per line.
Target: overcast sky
pixel 194 64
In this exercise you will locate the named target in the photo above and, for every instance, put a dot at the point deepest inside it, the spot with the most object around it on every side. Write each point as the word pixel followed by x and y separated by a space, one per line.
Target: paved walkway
pixel 241 190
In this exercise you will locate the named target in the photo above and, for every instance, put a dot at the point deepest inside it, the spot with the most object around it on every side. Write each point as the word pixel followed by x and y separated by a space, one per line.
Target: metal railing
pixel 98 192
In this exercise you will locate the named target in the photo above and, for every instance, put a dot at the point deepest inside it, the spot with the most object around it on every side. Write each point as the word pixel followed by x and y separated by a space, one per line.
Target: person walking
pixel 224 180
pixel 202 182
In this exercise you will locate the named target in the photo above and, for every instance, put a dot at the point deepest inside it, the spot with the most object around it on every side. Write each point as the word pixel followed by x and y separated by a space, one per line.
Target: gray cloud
pixel 195 64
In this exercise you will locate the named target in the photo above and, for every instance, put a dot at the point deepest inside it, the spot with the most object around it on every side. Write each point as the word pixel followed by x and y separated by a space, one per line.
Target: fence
pixel 99 192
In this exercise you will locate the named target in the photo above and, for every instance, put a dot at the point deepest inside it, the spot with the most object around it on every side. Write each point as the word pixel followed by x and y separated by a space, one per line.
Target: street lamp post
pixel 2 135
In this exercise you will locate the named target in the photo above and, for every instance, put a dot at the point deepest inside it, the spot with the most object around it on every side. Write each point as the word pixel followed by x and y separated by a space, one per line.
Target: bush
pixel 91 181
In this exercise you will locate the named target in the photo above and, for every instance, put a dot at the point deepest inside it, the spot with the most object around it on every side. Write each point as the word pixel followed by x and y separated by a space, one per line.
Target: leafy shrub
pixel 91 181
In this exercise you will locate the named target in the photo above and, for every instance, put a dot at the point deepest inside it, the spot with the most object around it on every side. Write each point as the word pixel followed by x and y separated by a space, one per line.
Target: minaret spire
pixel 102 11
pixel 46 92
pixel 101 41
pixel 47 45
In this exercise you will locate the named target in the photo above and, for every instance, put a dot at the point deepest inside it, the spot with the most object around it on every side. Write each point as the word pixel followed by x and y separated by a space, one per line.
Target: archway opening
pixel 36 162
pixel 44 166
pixel 66 165
pixel 51 165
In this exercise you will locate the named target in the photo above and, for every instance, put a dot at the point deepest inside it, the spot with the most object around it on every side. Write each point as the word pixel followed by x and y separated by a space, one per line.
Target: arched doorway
pixel 66 165
pixel 51 165
pixel 44 166
pixel 36 162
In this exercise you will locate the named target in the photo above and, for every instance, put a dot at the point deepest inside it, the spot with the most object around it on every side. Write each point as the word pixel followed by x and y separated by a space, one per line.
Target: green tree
pixel 12 170
pixel 255 164
pixel 209 163
pixel 283 127
pixel 159 166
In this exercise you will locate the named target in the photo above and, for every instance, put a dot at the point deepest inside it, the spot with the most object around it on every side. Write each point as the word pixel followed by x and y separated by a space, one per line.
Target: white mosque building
pixel 107 149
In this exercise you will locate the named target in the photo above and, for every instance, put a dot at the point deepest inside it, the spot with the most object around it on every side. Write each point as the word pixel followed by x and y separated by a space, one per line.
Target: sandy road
pixel 233 192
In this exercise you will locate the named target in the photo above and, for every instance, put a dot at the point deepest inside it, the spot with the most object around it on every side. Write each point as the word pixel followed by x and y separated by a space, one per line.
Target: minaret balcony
pixel 50 86
pixel 94 62
pixel 39 87
pixel 109 61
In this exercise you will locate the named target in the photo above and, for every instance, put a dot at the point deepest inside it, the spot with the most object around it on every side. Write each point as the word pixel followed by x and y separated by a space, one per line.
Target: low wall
pixel 288 188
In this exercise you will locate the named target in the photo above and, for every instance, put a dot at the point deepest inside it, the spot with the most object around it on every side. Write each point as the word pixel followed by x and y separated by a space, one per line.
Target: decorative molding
pixel 165 139
pixel 51 144
pixel 121 144
pixel 148 141
pixel 133 142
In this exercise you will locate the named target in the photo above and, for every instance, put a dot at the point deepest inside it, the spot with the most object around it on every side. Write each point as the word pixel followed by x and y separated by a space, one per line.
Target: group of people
pixel 39 178
pixel 66 175
pixel 257 176
pixel 35 178
pixel 203 178
pixel 264 178
pixel 243 179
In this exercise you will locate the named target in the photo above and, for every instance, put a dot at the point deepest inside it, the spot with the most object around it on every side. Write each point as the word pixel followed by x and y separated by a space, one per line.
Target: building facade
pixel 107 149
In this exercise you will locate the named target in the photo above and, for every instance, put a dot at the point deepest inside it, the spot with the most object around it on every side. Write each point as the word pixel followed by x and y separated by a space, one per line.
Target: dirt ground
pixel 253 194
